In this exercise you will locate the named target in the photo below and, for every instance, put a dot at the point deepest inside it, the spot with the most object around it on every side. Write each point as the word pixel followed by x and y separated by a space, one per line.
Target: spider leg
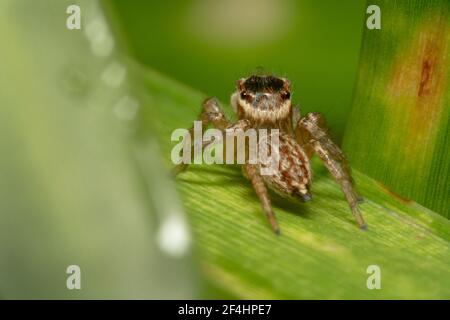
pixel 251 172
pixel 211 113
pixel 302 135
pixel 312 133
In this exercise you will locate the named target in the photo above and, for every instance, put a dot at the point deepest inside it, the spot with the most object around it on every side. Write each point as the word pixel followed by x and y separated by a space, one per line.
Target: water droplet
pixel 173 236
pixel 99 37
pixel 126 108
pixel 114 74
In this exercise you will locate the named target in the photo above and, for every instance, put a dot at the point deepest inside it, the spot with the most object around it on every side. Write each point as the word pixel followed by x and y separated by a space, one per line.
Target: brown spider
pixel 265 102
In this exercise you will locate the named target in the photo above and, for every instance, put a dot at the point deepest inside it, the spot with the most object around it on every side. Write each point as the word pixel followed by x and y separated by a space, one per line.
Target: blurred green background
pixel 71 189
pixel 210 44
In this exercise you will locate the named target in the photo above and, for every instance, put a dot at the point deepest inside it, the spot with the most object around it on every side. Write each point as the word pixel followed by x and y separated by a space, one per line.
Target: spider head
pixel 263 98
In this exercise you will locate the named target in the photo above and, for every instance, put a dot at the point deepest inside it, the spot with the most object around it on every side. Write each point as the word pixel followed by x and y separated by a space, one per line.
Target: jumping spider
pixel 265 102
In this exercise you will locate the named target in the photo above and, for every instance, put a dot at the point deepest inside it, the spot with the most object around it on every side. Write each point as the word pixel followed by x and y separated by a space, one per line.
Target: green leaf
pixel 71 192
pixel 398 131
pixel 321 253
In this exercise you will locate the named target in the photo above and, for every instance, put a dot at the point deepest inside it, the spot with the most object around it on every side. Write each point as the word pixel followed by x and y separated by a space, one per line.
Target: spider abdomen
pixel 292 176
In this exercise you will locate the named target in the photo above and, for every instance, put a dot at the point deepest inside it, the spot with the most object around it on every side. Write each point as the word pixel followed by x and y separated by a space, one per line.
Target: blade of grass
pixel 398 131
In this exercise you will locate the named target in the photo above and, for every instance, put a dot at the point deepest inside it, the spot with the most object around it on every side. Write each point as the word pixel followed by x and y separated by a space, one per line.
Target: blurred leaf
pixel 71 190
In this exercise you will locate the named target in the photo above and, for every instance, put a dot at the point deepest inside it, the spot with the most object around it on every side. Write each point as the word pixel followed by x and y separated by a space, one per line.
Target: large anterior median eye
pixel 247 96
pixel 285 95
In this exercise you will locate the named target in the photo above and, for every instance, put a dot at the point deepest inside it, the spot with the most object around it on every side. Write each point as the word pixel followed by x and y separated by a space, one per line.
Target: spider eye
pixel 244 95
pixel 285 95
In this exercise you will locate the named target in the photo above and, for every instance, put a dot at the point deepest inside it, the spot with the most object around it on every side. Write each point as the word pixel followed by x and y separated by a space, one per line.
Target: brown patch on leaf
pixel 395 195
pixel 419 81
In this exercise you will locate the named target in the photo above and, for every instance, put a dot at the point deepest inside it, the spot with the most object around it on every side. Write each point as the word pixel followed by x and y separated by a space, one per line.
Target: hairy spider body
pixel 293 177
pixel 264 102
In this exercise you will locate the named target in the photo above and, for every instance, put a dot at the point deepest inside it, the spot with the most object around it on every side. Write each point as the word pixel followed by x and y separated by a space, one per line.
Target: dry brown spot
pixel 395 195
pixel 427 66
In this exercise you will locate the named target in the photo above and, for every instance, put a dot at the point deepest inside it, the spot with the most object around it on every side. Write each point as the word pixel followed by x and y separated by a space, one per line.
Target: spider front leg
pixel 312 132
pixel 251 172
pixel 211 113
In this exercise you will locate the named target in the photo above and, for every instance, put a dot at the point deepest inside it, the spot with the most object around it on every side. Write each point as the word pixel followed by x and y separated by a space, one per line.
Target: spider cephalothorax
pixel 265 102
